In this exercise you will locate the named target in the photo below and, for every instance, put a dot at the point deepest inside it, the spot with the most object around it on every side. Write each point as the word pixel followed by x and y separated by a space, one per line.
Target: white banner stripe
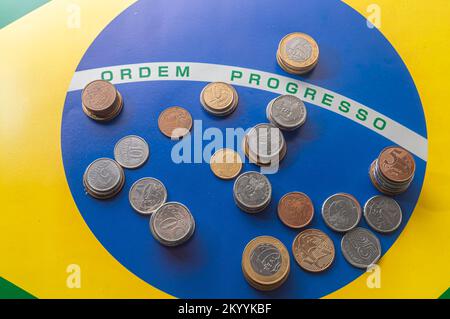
pixel 206 72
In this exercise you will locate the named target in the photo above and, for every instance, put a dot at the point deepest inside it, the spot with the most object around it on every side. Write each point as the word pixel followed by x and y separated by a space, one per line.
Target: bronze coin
pixel 175 122
pixel 396 164
pixel 295 210
pixel 313 250
pixel 99 97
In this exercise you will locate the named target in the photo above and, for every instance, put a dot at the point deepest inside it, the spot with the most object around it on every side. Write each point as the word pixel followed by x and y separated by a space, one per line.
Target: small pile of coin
pixel 264 145
pixel 101 101
pixel 265 263
pixel 297 53
pixel 393 171
pixel 172 224
pixel 287 112
pixel 252 192
pixel 103 178
pixel 219 98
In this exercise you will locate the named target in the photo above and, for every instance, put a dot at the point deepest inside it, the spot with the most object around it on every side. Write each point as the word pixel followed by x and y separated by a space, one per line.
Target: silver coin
pixel 266 141
pixel 287 112
pixel 341 212
pixel 383 214
pixel 103 175
pixel 265 259
pixel 298 49
pixel 147 195
pixel 252 191
pixel 361 247
pixel 172 224
pixel 131 151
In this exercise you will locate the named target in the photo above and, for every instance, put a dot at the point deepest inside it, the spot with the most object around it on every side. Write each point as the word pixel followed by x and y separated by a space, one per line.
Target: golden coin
pixel 265 263
pixel 226 163
pixel 175 122
pixel 313 250
pixel 298 51
pixel 218 96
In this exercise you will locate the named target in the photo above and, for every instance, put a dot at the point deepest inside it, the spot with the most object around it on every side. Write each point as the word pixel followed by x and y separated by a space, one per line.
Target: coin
pixel 103 178
pixel 393 171
pixel 147 195
pixel 131 151
pixel 297 53
pixel 175 122
pixel 341 212
pixel 172 224
pixel 313 250
pixel 264 144
pixel 265 263
pixel 383 214
pixel 226 163
pixel 101 101
pixel 295 210
pixel 287 112
pixel 361 248
pixel 252 192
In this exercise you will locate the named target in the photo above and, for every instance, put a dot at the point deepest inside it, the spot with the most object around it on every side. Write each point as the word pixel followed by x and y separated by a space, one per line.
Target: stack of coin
pixel 297 53
pixel 287 112
pixel 265 263
pixel 103 178
pixel 313 250
pixel 264 145
pixel 172 224
pixel 252 192
pixel 219 98
pixel 393 171
pixel 101 101
pixel 147 195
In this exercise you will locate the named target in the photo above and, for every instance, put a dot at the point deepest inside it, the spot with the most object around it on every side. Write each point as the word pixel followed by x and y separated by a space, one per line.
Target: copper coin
pixel 295 210
pixel 396 164
pixel 226 163
pixel 99 97
pixel 175 122
pixel 313 250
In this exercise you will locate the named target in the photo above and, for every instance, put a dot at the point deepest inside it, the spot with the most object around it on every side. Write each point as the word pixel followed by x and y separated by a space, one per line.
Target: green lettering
pixel 163 71
pixel 107 76
pixel 181 72
pixel 276 85
pixel 379 123
pixel 344 106
pixel 327 99
pixel 236 75
pixel 124 73
pixel 254 77
pixel 292 88
pixel 310 92
pixel 144 72
pixel 362 114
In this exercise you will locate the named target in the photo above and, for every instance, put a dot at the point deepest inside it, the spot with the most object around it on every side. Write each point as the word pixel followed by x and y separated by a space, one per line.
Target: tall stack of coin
pixel 297 53
pixel 101 101
pixel 219 98
pixel 265 263
pixel 172 224
pixel 103 178
pixel 287 112
pixel 252 192
pixel 393 171
pixel 264 145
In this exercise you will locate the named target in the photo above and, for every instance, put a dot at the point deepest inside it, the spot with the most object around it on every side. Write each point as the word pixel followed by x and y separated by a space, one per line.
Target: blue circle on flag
pixel 329 154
